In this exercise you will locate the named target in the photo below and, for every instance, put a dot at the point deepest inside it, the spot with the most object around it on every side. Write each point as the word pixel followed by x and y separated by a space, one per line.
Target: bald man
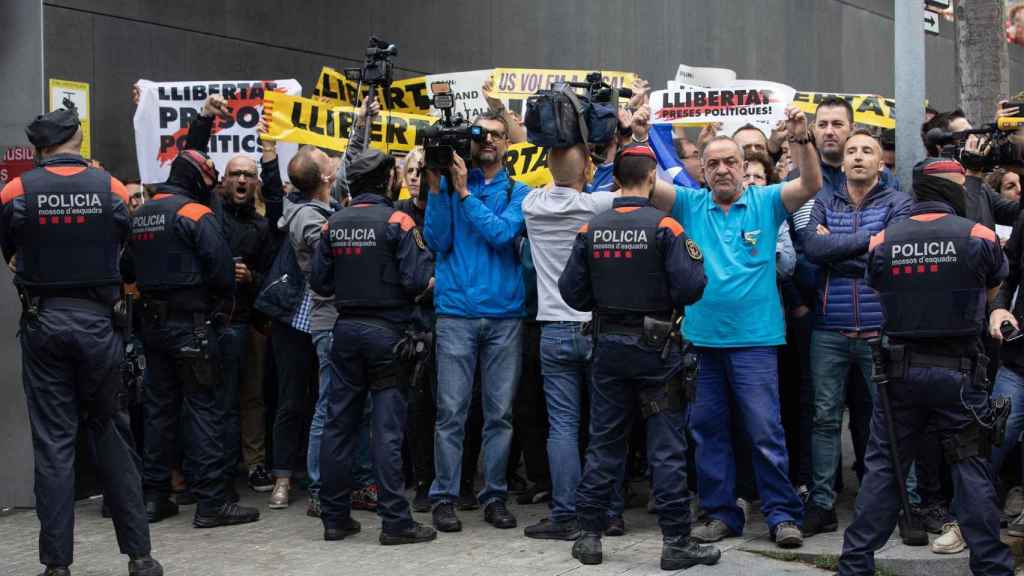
pixel 553 215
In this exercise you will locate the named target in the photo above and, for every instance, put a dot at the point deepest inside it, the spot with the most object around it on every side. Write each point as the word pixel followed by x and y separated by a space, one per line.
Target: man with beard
pixel 248 235
pixel 472 220
pixel 183 268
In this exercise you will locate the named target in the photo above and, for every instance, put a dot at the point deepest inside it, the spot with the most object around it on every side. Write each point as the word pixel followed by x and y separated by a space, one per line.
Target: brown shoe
pixel 280 498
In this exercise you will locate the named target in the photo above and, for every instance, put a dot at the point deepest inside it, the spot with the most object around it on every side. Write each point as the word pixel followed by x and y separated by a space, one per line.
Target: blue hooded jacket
pixel 477 272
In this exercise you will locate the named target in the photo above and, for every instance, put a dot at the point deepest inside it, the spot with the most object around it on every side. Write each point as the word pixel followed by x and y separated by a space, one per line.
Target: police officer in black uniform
pixel 184 270
pixel 933 272
pixel 374 262
pixel 62 227
pixel 633 266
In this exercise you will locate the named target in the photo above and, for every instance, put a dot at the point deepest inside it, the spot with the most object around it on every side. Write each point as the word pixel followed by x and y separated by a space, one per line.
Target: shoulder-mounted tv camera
pixel 451 135
pixel 563 116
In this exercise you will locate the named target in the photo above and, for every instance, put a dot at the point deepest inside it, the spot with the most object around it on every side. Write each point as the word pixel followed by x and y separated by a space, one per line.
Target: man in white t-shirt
pixel 553 216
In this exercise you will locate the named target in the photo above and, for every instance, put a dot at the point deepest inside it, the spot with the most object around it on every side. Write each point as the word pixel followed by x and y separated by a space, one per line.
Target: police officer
pixel 183 266
pixel 62 226
pixel 373 260
pixel 935 261
pixel 633 266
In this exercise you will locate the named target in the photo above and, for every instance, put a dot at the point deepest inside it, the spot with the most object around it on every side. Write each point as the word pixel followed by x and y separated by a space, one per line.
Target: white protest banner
pixel 165 110
pixel 705 77
pixel 742 101
pixel 466 90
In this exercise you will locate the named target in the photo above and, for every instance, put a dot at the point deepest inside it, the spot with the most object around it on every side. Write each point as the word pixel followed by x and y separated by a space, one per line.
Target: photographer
pixel 472 219
pixel 984 205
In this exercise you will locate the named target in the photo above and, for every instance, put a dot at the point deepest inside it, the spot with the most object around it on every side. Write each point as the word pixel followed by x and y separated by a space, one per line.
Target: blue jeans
pixel 462 343
pixel 1009 383
pixel 832 354
pixel 233 344
pixel 741 383
pixel 565 365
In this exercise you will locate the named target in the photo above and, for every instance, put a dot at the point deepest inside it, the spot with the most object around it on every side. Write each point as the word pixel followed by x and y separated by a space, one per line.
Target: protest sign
pixel 409 95
pixel 868 109
pixel 514 85
pixel 308 121
pixel 740 101
pixel 165 110
pixel 466 90
pixel 65 93
pixel 15 161
pixel 528 163
pixel 705 77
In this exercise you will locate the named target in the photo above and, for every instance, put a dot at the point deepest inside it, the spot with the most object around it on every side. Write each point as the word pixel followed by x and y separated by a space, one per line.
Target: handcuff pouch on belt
pixel 29 306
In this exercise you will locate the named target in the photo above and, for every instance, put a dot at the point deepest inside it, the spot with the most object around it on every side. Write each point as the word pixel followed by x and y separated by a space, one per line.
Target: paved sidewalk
pixel 288 543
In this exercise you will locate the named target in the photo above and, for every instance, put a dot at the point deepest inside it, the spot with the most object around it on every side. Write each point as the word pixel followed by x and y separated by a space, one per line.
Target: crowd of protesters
pixel 500 408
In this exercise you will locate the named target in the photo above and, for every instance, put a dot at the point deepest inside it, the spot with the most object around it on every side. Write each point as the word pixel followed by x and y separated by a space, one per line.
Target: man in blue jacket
pixel 848 310
pixel 471 223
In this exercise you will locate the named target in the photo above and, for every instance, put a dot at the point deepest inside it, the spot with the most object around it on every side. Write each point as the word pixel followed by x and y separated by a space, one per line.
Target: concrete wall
pixel 821 45
pixel 21 67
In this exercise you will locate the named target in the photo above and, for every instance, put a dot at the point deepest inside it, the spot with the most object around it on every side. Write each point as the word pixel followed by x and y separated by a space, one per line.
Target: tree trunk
pixel 983 60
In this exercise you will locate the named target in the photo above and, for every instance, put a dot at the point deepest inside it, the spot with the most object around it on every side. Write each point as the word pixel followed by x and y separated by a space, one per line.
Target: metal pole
pixel 910 83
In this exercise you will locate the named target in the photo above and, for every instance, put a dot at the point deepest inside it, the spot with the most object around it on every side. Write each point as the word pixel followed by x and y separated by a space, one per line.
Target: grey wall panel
pixel 21 65
pixel 820 45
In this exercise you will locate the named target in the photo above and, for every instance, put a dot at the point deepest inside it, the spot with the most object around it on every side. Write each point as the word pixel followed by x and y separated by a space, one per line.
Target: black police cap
pixel 53 128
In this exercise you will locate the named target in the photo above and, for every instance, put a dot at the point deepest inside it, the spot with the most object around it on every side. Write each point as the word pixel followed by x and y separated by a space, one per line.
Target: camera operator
pixel 473 217
pixel 984 205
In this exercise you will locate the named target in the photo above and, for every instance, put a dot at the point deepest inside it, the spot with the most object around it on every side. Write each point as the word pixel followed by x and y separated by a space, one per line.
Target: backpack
pixel 285 285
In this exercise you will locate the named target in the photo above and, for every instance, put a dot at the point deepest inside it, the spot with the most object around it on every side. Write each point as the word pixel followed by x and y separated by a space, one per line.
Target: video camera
pixel 377 69
pixel 1002 150
pixel 561 117
pixel 600 91
pixel 452 134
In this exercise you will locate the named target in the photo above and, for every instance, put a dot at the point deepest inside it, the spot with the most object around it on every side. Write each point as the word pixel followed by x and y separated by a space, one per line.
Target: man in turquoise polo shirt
pixel 737 326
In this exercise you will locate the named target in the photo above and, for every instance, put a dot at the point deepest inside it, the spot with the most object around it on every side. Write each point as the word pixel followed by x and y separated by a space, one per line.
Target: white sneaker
pixel 1014 504
pixel 951 541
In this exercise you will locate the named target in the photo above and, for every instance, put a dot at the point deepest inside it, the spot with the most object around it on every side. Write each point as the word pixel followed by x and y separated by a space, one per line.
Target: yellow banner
pixel 514 85
pixel 410 95
pixel 868 109
pixel 307 121
pixel 528 164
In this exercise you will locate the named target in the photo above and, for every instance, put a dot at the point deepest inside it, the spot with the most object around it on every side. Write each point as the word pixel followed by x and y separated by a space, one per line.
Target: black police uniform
pixel 932 273
pixel 627 263
pixel 182 264
pixel 66 223
pixel 374 262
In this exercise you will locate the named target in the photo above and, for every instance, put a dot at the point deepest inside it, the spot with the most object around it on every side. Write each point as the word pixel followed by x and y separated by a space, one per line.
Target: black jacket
pixel 985 206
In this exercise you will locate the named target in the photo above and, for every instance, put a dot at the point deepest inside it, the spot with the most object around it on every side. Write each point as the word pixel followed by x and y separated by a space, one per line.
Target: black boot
pixel 228 515
pixel 157 510
pixel 341 532
pixel 680 553
pixel 587 548
pixel 56 571
pixel 445 519
pixel 412 535
pixel 145 566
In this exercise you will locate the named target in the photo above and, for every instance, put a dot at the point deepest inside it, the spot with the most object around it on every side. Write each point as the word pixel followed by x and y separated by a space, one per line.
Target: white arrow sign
pixel 931 22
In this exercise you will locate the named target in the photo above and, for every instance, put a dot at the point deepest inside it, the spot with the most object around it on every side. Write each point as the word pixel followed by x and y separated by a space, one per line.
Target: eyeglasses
pixel 494 134
pixel 240 173
pixel 136 196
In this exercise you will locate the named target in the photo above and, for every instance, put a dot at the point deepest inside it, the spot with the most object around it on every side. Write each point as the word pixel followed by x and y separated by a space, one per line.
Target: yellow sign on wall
pixel 63 92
